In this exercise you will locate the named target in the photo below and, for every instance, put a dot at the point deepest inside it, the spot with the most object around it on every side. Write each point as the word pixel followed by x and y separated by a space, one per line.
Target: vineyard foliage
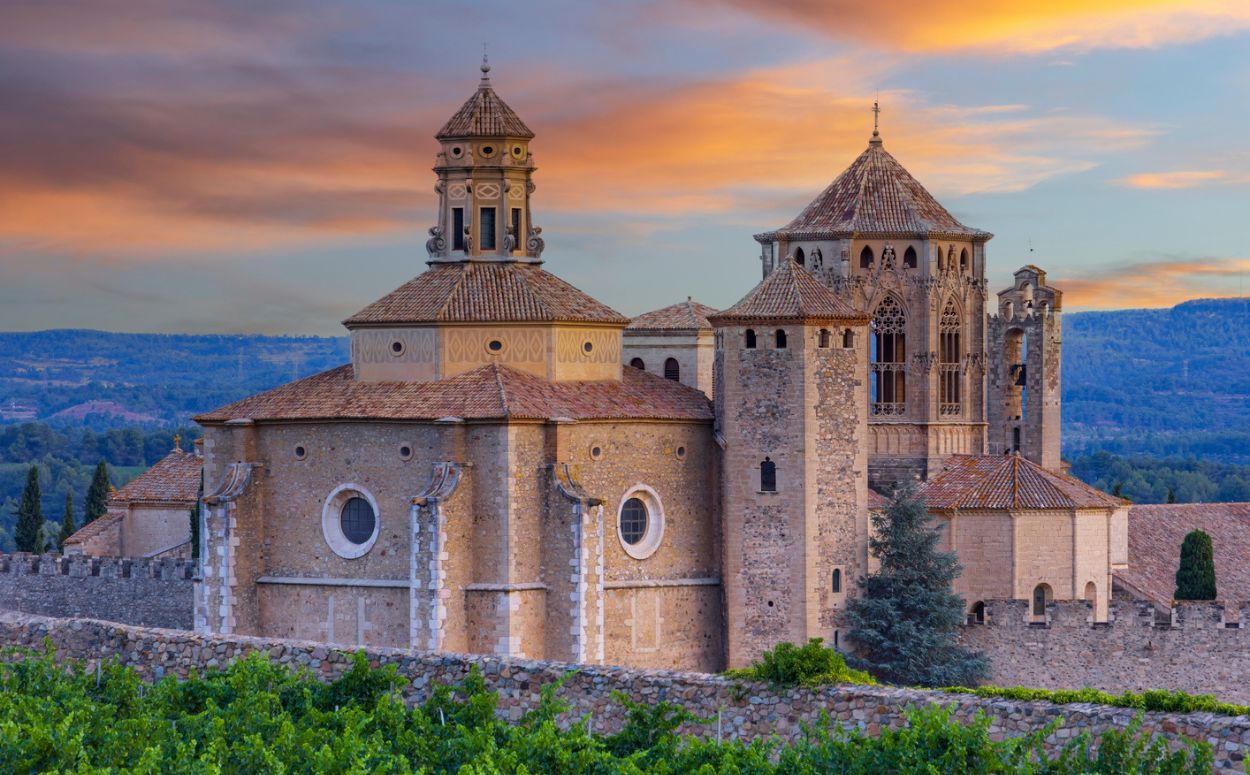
pixel 1152 700
pixel 259 717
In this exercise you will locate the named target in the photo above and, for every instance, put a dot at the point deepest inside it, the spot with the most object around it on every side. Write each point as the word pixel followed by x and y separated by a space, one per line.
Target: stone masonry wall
pixel 1200 648
pixel 155 593
pixel 738 711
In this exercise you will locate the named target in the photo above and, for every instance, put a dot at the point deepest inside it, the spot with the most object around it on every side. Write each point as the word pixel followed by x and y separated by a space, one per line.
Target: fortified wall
pixel 1199 648
pixel 736 711
pixel 153 593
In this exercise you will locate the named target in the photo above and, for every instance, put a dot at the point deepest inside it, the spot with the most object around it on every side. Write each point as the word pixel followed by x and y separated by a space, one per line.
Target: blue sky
pixel 183 165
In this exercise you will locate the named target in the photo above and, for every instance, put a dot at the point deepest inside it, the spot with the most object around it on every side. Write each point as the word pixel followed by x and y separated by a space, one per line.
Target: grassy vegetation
pixel 1154 700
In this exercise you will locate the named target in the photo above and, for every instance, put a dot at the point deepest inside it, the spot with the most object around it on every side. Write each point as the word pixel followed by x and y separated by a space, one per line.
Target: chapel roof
pixel 1009 482
pixel 485 292
pixel 688 315
pixel 875 195
pixel 1155 534
pixel 790 292
pixel 107 521
pixel 175 478
pixel 490 392
pixel 484 115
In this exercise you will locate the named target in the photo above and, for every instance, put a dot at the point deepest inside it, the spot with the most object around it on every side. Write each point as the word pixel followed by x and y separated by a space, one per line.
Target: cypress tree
pixel 67 521
pixel 98 494
pixel 29 515
pixel 1195 578
pixel 1171 495
pixel 905 622
pixel 195 519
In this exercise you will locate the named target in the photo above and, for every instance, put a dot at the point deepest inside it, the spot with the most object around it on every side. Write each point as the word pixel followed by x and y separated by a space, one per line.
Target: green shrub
pixel 1151 700
pixel 1195 577
pixel 807 665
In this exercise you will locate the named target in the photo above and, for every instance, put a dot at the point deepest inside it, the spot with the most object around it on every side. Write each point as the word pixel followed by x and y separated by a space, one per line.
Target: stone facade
pixel 154 593
pixel 735 710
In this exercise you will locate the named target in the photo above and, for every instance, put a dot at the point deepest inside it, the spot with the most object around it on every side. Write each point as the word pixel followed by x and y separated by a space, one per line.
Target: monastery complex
pixel 511 467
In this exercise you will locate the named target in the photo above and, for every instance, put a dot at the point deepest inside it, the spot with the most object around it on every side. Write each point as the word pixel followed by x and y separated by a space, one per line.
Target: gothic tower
pixel 792 412
pixel 888 249
pixel 484 183
pixel 1025 349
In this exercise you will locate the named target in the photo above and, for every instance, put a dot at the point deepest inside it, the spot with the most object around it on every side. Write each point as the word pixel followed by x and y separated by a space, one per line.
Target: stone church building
pixel 509 466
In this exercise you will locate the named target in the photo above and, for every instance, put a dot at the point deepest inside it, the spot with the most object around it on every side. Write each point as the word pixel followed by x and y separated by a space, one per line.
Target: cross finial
pixel 876 115
pixel 177 443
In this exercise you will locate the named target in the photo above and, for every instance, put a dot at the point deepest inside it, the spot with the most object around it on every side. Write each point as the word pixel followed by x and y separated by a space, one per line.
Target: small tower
pixel 791 408
pixel 484 183
pixel 1025 349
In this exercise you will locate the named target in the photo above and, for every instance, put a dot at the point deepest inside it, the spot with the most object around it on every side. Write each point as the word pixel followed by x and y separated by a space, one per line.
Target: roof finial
pixel 177 443
pixel 485 68
pixel 876 115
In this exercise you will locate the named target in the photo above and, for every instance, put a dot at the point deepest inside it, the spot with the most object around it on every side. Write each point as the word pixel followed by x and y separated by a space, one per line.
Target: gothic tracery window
pixel 889 359
pixel 950 353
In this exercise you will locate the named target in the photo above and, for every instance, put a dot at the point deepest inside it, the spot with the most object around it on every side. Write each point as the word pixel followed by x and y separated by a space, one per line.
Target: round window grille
pixel 640 522
pixel 357 520
pixel 633 521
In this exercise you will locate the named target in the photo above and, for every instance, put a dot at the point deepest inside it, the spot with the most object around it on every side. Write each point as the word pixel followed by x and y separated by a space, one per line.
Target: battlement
pixel 1072 614
pixel 82 566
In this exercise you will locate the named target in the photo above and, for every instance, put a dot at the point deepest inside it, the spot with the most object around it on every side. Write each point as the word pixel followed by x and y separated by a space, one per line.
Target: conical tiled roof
pixel 688 315
pixel 789 293
pixel 485 292
pixel 484 115
pixel 875 195
pixel 1009 482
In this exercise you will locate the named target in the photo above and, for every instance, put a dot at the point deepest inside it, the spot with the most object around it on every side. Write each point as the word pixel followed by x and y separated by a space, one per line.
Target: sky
pixel 264 165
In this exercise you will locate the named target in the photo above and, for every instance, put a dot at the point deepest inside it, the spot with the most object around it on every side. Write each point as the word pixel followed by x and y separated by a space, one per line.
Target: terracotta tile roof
pixel 875 195
pixel 688 315
pixel 877 501
pixel 789 293
pixel 484 115
pixel 1155 533
pixel 93 529
pixel 488 392
pixel 487 292
pixel 174 479
pixel 1009 482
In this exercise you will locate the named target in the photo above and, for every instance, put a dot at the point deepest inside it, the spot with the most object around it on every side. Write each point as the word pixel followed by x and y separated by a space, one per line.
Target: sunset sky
pixel 264 165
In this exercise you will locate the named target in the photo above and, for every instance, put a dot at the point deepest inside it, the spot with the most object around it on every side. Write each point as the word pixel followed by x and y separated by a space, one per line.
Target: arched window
pixel 963 260
pixel 950 353
pixel 1041 596
pixel 837 580
pixel 1091 593
pixel 848 338
pixel 909 257
pixel 780 337
pixel 823 339
pixel 768 476
pixel 799 258
pixel 888 378
pixel 750 337
pixel 672 369
pixel 865 258
pixel 818 259
pixel 977 614
pixel 637 363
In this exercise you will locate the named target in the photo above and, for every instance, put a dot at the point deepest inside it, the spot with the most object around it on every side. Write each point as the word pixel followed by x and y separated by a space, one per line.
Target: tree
pixel 98 494
pixel 29 515
pixel 1195 578
pixel 1171 495
pixel 905 622
pixel 195 519
pixel 67 522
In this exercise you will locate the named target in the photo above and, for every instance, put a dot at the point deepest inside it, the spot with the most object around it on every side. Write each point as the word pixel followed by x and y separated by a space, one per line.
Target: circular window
pixel 495 346
pixel 457 151
pixel 350 521
pixel 300 452
pixel 516 151
pixel 587 347
pixel 405 452
pixel 596 452
pixel 640 522
pixel 680 452
pixel 488 150
pixel 397 347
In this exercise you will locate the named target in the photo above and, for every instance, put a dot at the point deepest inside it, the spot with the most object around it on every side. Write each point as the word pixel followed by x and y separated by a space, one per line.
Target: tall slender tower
pixel 1025 351
pixel 484 184
pixel 887 248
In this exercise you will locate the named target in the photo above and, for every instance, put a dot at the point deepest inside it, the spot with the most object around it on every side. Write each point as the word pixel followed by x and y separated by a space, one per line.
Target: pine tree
pixel 1195 578
pixel 29 515
pixel 98 494
pixel 905 622
pixel 67 521
pixel 1171 495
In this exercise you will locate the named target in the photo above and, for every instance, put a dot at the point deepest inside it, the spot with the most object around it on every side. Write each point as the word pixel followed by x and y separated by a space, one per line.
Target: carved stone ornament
pixel 509 241
pixel 534 245
pixel 437 243
pixel 887 257
pixel 923 362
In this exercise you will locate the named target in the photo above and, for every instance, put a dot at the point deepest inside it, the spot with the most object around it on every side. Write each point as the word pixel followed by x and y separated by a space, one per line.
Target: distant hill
pixel 1154 382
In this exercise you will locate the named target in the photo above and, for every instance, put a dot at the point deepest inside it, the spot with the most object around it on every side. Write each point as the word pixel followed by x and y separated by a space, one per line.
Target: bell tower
pixel 485 171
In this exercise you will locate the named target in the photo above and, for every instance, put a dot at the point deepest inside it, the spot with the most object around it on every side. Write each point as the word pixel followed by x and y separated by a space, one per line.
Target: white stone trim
pixel 705 581
pixel 655 522
pixel 314 581
pixel 331 525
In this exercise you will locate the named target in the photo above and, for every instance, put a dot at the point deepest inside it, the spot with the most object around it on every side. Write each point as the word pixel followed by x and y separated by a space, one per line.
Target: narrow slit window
pixel 768 476
pixel 750 338
pixel 487 228
pixel 781 339
pixel 517 240
pixel 457 228
pixel 672 369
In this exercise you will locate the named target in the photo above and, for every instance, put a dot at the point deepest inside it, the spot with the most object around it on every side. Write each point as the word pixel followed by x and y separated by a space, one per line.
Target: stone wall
pixel 155 593
pixel 1199 648
pixel 739 711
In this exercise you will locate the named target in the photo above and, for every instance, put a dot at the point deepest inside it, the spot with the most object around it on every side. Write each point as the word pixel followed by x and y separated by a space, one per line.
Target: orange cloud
pixel 1183 179
pixel 1156 283
pixel 1007 25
